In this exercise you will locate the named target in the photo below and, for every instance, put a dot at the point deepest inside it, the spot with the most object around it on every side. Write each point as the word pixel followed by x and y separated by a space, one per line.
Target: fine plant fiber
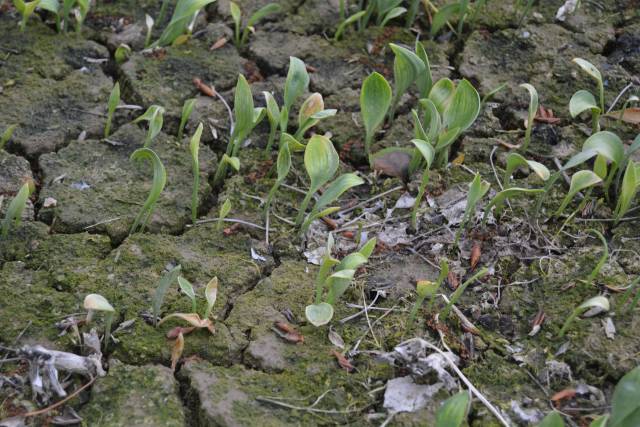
pixel 159 181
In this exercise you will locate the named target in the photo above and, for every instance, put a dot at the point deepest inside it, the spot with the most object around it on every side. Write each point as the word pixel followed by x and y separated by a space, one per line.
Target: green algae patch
pixel 145 396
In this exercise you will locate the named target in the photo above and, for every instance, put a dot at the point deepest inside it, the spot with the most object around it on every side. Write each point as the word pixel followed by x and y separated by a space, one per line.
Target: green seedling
pixel 582 101
pixel 427 152
pixel 81 12
pixel 594 73
pixel 122 53
pixel 477 190
pixel 407 66
pixel 628 190
pixel 579 181
pixel 384 10
pixel 26 9
pixel 462 9
pixel 625 402
pixel 154 116
pixel 161 289
pixel 453 411
pixel 599 302
pixel 187 109
pixel 515 161
pixel 194 149
pixel 13 214
pixel 311 112
pixel 183 15
pixel 412 13
pixel 603 258
pixel 241 36
pixel 224 211
pixel 273 116
pixel 234 162
pixel 346 22
pixel 553 419
pixel 149 22
pixel 246 118
pixel 283 165
pixel 499 199
pixel 424 81
pixel 375 99
pixel 321 162
pixel 114 100
pixel 6 135
pixel 428 289
pixel 187 288
pixel 533 108
pixel 334 278
pixel 159 181
pixel 163 11
pixel 629 292
pixel 458 292
pixel 96 302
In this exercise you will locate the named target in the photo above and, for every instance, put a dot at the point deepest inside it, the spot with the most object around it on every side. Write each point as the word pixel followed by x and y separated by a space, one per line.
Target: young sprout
pixel 553 419
pixel 321 162
pixel 375 99
pixel 154 116
pixel 6 135
pixel 459 290
pixel 627 294
pixel 246 118
pixel 242 36
pixel 427 152
pixel 594 73
pixel 114 100
pixel 477 189
pixel 187 109
pixel 181 19
pixel 412 13
pixel 502 196
pixel 81 12
pixel 122 53
pixel 161 289
pixel 273 115
pixel 533 108
pixel 579 181
pixel 598 302
pixel 515 161
pixel 407 66
pixel 453 411
pixel 25 9
pixel 346 22
pixel 194 149
pixel 311 112
pixel 296 84
pixel 444 15
pixel 210 294
pixel 582 101
pixel 603 258
pixel 13 214
pixel 424 81
pixel 96 302
pixel 334 277
pixel 283 165
pixel 428 289
pixel 224 211
pixel 187 288
pixel 159 181
pixel 148 20
pixel 628 190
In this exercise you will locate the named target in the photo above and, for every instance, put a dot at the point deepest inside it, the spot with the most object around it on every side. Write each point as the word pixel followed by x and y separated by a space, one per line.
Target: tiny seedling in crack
pixel 599 303
pixel 515 161
pixel 580 180
pixel 334 278
pixel 194 149
pixel 148 21
pixel 246 117
pixel 499 199
pixel 477 190
pixel 224 211
pixel 159 181
pixel 96 302
pixel 427 152
pixel 453 412
pixel 459 290
pixel 533 108
pixel 6 135
pixel 122 53
pixel 375 99
pixel 114 100
pixel 346 22
pixel 161 289
pixel 603 258
pixel 187 109
pixel 321 162
pixel 407 67
pixel 13 215
pixel 154 116
pixel 427 289
pixel 241 36
pixel 311 112
pixel 194 319
pixel 182 18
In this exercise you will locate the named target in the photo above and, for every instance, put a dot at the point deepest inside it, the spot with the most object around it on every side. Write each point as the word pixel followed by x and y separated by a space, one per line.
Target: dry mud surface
pixel 74 239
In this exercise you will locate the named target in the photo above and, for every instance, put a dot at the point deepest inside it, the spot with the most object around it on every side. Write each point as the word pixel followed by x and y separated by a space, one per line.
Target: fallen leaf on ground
pixel 173 333
pixel 452 279
pixel 567 393
pixel 176 352
pixel 476 253
pixel 219 43
pixel 629 115
pixel 288 332
pixel 537 323
pixel 202 87
pixel 342 361
pixel 544 115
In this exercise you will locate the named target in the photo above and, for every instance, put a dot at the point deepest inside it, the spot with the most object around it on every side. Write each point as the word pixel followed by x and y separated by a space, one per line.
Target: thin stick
pixel 366 314
pixel 66 399
pixel 239 221
pixel 615 101
pixel 307 408
pixel 366 202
